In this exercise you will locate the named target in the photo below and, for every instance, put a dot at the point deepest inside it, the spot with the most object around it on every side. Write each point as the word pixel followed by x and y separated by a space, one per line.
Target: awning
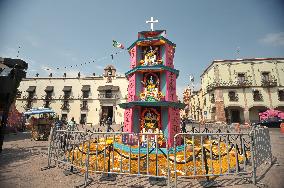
pixel 85 88
pixel 38 111
pixel 108 87
pixel 49 88
pixel 67 88
pixel 31 89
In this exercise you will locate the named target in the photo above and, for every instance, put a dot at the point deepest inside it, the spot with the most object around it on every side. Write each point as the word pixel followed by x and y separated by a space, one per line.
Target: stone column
pixel 220 107
pixel 246 115
pixel 246 109
pixel 113 113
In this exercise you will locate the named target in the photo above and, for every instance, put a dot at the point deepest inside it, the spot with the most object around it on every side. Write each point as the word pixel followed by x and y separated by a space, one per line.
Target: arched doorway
pixel 254 113
pixel 234 114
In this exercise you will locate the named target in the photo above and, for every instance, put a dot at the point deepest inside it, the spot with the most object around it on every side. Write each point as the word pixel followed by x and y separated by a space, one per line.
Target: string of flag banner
pixel 114 44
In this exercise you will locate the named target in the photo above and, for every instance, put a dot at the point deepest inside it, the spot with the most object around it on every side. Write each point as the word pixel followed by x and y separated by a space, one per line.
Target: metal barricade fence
pixel 212 154
pixel 261 148
pixel 62 147
pixel 148 154
pixel 129 153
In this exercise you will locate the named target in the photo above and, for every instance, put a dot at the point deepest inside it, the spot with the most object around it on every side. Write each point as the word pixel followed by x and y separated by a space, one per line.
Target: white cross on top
pixel 152 21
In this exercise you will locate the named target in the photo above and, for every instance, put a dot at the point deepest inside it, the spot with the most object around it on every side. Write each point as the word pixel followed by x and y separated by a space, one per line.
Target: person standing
pixel 71 125
pixel 108 122
pixel 183 124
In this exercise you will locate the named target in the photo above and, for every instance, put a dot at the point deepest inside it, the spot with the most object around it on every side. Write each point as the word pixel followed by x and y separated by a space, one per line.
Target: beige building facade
pixel 87 99
pixel 237 90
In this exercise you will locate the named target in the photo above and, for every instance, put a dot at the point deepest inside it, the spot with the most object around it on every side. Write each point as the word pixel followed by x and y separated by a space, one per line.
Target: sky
pixel 53 34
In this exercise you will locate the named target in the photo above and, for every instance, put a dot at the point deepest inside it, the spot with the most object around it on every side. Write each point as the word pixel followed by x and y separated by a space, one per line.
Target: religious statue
pixel 150 57
pixel 151 89
pixel 151 124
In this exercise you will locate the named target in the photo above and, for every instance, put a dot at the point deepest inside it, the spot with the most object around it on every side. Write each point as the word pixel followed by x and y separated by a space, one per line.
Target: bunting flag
pixel 117 44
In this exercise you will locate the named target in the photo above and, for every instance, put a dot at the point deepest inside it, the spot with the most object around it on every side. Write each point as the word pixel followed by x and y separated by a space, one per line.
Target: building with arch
pixel 88 99
pixel 237 90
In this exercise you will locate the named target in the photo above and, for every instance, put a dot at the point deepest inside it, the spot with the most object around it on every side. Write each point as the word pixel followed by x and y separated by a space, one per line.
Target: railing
pixel 47 97
pixel 192 155
pixel 233 98
pixel 271 82
pixel 230 84
pixel 107 96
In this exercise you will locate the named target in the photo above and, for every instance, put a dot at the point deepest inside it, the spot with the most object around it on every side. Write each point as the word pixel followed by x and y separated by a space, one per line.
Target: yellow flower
pixel 109 141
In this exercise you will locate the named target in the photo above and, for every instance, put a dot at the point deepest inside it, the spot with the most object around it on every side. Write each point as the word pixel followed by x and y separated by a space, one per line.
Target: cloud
pixel 273 39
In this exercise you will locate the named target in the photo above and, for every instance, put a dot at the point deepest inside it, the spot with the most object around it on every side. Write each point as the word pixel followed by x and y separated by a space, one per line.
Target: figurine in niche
pixel 150 124
pixel 150 57
pixel 151 90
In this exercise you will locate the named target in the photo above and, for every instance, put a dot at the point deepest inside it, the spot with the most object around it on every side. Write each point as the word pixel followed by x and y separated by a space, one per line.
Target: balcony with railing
pixel 269 82
pixel 107 96
pixel 229 84
pixel 47 97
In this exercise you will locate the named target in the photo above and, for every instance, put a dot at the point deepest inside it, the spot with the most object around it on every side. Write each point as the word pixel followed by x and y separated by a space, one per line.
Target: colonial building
pixel 87 99
pixel 237 90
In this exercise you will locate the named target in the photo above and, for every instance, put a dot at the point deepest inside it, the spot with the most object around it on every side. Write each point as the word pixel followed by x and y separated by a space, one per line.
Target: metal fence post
pixel 49 148
pixel 252 136
pixel 175 161
pixel 87 162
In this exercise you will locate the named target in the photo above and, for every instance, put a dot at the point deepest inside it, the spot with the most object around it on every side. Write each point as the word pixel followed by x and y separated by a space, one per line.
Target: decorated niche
pixel 151 123
pixel 151 88
pixel 151 55
pixel 150 120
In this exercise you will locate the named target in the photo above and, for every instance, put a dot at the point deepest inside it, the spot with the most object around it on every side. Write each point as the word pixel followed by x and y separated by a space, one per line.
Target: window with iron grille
pixel 67 94
pixel 47 104
pixel 86 94
pixel 83 119
pixel 233 96
pixel 212 98
pixel 108 94
pixel 48 94
pixel 281 95
pixel 65 105
pixel 31 95
pixel 29 105
pixel 257 96
pixel 241 77
pixel 84 105
pixel 265 76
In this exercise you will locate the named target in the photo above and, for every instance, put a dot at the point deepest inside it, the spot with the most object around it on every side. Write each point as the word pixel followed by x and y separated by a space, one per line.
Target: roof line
pixel 239 60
